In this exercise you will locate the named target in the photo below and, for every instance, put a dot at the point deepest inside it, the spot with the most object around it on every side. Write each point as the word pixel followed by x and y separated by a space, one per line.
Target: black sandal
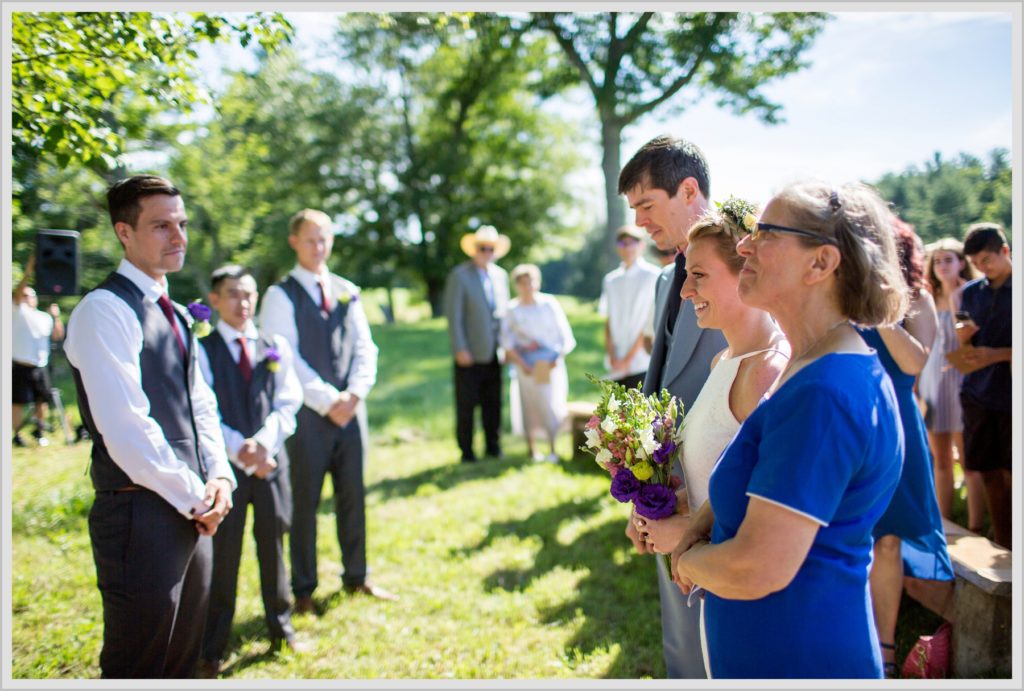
pixel 890 669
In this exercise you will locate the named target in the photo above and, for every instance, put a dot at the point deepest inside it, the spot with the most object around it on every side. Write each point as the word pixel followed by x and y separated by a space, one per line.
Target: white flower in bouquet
pixel 647 442
pixel 610 424
pixel 593 438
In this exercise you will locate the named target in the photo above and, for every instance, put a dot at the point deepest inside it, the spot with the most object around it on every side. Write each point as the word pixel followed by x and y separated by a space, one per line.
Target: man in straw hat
pixel 476 295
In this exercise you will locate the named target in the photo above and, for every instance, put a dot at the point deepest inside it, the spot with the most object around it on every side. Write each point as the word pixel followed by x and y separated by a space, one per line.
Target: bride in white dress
pixel 755 355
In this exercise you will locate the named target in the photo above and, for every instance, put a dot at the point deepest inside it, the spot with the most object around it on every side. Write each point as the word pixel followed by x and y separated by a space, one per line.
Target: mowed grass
pixel 505 569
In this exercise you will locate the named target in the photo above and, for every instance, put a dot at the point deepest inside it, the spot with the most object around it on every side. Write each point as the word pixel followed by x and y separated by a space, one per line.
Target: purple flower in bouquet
pixel 201 318
pixel 655 502
pixel 664 452
pixel 625 486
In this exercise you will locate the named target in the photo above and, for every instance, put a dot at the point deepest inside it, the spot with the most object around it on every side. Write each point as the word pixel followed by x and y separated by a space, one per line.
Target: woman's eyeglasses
pixel 763 228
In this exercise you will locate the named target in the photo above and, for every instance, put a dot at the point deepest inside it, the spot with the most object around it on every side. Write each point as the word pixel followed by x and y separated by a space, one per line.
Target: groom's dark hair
pixel 124 195
pixel 663 163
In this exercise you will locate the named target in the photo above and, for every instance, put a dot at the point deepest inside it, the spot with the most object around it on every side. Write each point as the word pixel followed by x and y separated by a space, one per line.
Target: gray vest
pixel 166 381
pixel 243 406
pixel 320 337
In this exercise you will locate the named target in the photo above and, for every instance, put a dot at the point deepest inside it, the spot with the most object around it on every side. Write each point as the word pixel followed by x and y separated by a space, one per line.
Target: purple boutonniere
pixel 273 359
pixel 346 297
pixel 200 314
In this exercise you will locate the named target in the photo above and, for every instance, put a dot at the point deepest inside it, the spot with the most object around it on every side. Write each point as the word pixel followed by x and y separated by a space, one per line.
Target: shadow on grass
pixel 619 603
pixel 445 477
pixel 243 632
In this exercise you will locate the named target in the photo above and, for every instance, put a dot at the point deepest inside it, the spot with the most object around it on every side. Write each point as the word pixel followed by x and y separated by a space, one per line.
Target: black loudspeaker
pixel 57 262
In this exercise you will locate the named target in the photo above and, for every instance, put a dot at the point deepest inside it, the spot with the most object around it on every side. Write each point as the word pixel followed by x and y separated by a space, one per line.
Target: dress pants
pixel 271 508
pixel 153 572
pixel 680 630
pixel 317 448
pixel 478 385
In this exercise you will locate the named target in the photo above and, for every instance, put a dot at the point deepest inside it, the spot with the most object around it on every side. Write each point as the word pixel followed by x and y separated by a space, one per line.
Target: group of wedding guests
pixel 808 484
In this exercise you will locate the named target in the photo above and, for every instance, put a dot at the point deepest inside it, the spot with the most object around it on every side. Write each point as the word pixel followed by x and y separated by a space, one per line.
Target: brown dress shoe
pixel 207 669
pixel 371 590
pixel 304 605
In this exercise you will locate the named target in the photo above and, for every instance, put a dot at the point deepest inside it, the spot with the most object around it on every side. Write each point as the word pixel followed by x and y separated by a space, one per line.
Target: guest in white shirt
pixel 536 337
pixel 627 302
pixel 162 479
pixel 32 330
pixel 258 395
pixel 321 317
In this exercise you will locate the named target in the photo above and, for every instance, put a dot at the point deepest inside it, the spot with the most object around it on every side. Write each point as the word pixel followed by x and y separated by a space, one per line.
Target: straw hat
pixel 486 235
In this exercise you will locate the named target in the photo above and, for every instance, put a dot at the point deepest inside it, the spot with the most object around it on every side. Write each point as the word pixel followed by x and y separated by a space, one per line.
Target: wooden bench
pixel 580 413
pixel 979 604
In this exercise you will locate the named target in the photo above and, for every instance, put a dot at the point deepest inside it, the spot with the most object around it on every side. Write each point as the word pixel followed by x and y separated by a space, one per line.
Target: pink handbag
pixel 929 658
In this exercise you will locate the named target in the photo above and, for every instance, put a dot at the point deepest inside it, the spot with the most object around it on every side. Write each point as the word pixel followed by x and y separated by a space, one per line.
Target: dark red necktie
pixel 244 363
pixel 165 305
pixel 323 298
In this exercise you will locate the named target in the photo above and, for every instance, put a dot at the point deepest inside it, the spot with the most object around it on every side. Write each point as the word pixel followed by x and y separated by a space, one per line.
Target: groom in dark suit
pixel 667 184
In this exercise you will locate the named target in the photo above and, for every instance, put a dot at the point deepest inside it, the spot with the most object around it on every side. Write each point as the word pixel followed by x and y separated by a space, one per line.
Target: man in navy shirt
pixel 985 392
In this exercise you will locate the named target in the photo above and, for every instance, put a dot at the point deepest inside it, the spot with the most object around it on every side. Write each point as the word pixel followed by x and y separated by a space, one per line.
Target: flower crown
pixel 739 212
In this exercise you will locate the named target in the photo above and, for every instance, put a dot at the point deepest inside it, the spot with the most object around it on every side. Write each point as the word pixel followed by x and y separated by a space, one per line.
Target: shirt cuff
pixel 360 389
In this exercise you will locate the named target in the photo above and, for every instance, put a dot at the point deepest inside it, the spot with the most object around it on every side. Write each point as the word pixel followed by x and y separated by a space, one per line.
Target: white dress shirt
pixel 104 341
pixel 627 300
pixel 277 318
pixel 280 423
pixel 30 335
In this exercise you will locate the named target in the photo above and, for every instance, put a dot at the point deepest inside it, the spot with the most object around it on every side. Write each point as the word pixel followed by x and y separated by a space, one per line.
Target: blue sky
pixel 885 90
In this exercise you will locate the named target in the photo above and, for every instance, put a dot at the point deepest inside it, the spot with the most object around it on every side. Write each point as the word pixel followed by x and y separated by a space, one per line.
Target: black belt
pixel 127 488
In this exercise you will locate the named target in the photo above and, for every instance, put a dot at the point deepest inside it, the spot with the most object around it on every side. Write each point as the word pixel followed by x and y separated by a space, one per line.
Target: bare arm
pixel 764 557
pixel 909 345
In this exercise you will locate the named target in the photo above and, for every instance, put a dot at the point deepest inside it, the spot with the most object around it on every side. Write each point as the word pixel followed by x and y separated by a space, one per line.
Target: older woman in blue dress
pixel 797 492
pixel 537 337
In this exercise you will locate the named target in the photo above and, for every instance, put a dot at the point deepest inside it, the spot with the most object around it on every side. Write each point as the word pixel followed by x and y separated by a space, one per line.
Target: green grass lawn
pixel 506 569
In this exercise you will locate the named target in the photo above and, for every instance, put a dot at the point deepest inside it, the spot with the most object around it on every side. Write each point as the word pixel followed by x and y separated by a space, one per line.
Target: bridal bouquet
pixel 635 438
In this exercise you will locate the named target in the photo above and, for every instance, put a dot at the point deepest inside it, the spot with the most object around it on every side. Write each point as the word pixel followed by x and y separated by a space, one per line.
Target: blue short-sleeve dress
pixel 913 514
pixel 828 445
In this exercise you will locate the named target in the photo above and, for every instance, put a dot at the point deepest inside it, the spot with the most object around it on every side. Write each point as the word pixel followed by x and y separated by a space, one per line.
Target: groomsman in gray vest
pixel 320 316
pixel 162 480
pixel 475 300
pixel 258 395
pixel 667 184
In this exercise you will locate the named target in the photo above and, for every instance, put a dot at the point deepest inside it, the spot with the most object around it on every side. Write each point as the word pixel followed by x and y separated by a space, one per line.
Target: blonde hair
pixel 531 270
pixel 870 287
pixel 314 215
pixel 723 231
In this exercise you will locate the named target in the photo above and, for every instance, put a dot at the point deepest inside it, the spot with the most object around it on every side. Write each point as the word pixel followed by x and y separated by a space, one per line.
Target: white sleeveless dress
pixel 708 427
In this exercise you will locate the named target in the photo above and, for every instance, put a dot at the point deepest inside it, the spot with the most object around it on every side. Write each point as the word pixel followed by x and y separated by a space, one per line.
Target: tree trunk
pixel 611 163
pixel 389 316
pixel 435 294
